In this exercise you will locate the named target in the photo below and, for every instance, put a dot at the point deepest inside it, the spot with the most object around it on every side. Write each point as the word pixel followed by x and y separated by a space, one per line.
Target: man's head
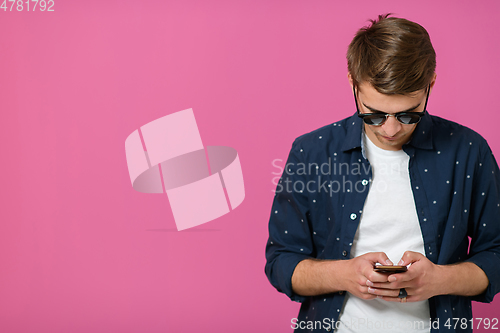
pixel 394 55
pixel 391 67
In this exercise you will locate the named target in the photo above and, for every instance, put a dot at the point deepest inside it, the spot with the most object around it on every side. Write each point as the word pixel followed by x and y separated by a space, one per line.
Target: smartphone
pixel 390 269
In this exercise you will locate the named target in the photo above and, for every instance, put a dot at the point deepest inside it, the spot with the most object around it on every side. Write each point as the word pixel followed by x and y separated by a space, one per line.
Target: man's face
pixel 392 134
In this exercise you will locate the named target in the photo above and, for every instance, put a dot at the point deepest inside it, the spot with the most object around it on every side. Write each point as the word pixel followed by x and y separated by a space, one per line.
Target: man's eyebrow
pixel 378 111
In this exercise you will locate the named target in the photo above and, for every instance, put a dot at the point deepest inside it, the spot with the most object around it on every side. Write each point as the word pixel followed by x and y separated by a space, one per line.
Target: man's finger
pixel 379 257
pixel 402 277
pixel 383 292
pixel 410 257
pixel 397 299
pixel 374 277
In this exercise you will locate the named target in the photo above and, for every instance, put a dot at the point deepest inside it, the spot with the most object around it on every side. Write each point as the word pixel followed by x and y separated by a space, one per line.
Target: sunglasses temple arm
pixel 427 98
pixel 355 99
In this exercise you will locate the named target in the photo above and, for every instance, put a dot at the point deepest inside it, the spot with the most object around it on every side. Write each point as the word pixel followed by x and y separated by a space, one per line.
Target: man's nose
pixel 391 126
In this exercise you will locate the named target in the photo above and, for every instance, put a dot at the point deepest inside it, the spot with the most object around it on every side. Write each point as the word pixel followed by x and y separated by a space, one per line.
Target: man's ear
pixel 433 81
pixel 349 77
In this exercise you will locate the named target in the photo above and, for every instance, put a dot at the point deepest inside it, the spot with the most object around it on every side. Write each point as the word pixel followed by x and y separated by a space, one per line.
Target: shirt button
pixel 353 216
pixel 364 182
pixel 344 253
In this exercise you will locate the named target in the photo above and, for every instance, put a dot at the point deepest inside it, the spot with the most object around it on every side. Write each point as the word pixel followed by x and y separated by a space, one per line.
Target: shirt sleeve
pixel 290 239
pixel 484 228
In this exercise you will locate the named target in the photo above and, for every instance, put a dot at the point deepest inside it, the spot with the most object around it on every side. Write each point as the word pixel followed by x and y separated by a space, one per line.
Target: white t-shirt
pixel 389 223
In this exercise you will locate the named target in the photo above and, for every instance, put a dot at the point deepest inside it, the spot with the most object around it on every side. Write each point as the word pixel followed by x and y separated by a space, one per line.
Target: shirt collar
pixel 421 138
pixel 354 134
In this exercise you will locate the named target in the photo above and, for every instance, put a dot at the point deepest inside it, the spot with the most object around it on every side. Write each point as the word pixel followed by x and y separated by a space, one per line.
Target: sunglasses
pixel 379 118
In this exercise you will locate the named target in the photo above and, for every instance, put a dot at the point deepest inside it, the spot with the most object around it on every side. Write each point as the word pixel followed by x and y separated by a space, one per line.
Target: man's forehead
pixel 366 87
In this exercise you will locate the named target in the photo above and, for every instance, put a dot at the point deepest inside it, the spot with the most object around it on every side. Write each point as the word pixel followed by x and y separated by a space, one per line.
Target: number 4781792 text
pixel 27 5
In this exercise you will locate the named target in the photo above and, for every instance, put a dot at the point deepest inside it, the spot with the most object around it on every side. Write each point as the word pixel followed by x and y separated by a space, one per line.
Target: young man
pixel 391 185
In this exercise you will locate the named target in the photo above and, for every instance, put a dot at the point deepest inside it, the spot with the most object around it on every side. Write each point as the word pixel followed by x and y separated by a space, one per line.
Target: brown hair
pixel 393 54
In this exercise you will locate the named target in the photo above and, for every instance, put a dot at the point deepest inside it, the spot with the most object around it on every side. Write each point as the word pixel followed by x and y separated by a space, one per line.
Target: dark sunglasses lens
pixel 409 118
pixel 374 120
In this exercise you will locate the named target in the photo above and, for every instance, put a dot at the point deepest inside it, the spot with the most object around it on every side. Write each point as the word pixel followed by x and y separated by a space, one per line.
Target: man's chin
pixel 392 142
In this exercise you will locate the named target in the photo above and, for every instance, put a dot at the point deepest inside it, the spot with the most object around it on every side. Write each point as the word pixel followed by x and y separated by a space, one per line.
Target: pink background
pixel 80 250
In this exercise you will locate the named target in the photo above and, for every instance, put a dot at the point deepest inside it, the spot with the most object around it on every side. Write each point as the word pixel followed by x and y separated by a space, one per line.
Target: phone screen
pixel 390 269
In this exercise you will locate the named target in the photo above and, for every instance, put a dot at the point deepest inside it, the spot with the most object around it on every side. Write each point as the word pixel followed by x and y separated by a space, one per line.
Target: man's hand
pixel 425 279
pixel 360 274
pixel 421 281
pixel 317 277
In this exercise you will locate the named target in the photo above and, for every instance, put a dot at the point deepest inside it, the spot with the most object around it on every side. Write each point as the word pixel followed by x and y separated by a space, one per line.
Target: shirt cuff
pixel 287 264
pixel 489 262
